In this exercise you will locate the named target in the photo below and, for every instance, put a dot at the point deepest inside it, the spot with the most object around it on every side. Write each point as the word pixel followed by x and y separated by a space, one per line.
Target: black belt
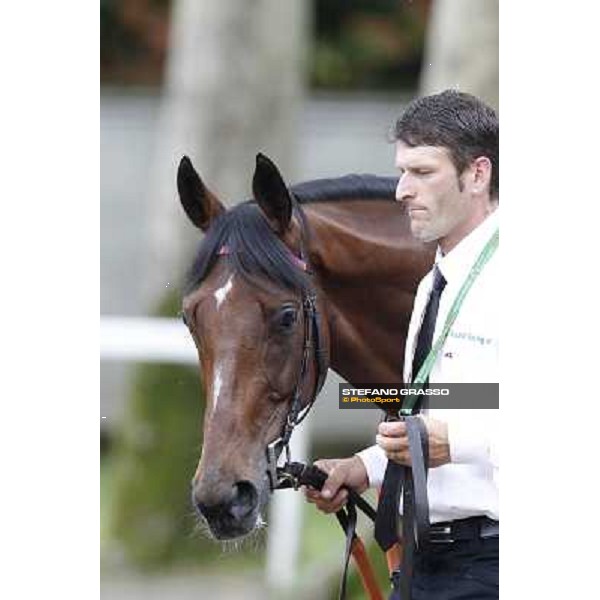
pixel 463 530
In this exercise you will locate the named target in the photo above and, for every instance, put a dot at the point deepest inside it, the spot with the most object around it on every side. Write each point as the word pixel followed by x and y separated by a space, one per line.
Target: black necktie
pixel 397 476
pixel 425 338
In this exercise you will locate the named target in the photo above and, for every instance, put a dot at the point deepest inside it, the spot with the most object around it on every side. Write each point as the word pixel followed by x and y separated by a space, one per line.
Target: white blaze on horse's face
pixel 218 381
pixel 222 292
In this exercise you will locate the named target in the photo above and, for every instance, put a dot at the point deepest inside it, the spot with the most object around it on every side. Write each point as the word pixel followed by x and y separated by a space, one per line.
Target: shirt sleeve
pixel 375 462
pixel 473 437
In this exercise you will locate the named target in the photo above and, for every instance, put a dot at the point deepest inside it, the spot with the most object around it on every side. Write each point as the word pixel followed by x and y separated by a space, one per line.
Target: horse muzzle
pixel 230 515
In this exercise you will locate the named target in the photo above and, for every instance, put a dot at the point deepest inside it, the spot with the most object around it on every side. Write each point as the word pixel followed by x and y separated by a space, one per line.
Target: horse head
pixel 246 309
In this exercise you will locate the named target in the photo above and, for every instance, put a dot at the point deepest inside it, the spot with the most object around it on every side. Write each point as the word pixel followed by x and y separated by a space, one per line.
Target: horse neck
pixel 367 267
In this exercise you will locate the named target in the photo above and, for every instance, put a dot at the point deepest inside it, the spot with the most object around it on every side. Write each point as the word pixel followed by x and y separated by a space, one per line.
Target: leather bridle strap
pixel 294 474
pixel 312 346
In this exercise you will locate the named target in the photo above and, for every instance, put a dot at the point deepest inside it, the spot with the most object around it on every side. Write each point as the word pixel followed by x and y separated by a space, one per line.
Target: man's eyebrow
pixel 417 165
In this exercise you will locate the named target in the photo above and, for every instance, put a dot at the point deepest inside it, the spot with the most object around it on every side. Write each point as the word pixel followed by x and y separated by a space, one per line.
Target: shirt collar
pixel 456 264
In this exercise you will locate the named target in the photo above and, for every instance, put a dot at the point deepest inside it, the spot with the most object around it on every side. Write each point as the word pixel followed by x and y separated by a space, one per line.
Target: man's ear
pixel 201 206
pixel 272 194
pixel 482 173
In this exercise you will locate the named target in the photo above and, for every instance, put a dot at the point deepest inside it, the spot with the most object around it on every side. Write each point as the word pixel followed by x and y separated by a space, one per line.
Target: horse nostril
pixel 237 504
pixel 244 500
pixel 206 506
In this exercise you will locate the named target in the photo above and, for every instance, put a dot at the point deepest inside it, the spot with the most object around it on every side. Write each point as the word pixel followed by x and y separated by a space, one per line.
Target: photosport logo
pixel 398 396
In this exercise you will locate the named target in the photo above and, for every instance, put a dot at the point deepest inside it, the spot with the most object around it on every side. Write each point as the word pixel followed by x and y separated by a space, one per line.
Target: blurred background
pixel 316 85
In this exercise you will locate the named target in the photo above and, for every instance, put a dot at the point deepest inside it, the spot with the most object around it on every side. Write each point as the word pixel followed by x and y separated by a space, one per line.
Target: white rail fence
pixel 144 339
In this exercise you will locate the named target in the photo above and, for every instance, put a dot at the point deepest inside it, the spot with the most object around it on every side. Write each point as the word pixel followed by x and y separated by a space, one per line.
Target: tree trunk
pixel 233 87
pixel 461 49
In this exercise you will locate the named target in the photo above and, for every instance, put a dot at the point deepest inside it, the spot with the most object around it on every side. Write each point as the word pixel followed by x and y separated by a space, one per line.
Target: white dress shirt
pixel 468 485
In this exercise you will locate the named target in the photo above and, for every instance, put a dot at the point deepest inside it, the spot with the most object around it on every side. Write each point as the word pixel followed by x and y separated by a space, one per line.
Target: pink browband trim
pixel 302 264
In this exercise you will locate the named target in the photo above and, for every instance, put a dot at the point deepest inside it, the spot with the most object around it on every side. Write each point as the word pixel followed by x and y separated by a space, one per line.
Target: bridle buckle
pixel 274 450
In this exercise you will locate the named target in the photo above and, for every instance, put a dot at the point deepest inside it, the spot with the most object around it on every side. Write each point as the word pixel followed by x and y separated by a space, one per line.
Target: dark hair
pixel 460 122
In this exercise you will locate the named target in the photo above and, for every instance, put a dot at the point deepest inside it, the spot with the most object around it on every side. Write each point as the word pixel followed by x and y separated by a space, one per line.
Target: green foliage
pixel 367 44
pixel 362 44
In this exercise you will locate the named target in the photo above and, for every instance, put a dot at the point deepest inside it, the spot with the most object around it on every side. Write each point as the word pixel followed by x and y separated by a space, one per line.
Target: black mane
pixel 368 187
pixel 253 250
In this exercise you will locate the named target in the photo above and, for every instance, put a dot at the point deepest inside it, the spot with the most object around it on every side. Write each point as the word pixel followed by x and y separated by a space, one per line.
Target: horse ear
pixel 201 206
pixel 272 194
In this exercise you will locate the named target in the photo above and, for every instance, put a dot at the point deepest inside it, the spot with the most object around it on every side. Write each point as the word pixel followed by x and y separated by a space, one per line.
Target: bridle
pixel 312 347
pixel 295 474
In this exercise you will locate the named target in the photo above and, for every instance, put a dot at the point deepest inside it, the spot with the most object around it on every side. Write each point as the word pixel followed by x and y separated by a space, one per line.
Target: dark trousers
pixel 460 571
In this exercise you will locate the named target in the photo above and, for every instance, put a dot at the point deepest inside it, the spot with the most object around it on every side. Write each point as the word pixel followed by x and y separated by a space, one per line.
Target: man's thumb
pixel 332 484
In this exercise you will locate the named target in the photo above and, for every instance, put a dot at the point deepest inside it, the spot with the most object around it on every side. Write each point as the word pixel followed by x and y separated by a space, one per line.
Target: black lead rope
pixel 295 474
pixel 410 484
pixel 415 502
pixel 412 487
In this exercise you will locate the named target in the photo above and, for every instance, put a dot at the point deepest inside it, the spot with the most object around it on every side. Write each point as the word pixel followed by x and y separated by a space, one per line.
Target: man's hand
pixel 349 472
pixel 393 439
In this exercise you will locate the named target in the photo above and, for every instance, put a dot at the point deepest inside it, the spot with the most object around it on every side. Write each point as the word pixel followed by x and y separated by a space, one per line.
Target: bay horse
pixel 284 286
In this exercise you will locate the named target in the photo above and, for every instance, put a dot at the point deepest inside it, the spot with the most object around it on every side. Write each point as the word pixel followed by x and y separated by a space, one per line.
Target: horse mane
pixel 253 249
pixel 349 187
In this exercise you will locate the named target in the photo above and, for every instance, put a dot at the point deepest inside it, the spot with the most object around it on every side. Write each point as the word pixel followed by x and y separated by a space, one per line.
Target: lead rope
pixel 295 474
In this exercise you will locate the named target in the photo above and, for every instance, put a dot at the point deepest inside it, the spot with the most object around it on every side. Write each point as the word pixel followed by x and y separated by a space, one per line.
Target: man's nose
pixel 404 189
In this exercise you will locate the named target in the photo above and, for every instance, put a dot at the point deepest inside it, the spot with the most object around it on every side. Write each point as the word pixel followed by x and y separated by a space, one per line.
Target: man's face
pixel 437 200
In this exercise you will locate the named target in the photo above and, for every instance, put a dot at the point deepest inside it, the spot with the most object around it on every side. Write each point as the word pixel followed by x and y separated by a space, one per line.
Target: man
pixel 447 155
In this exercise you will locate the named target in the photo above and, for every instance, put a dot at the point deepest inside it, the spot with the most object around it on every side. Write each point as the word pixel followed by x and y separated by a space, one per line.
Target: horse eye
pixel 287 318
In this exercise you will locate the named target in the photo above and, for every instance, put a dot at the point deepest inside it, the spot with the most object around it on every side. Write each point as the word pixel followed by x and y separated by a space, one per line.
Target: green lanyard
pixel 427 365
